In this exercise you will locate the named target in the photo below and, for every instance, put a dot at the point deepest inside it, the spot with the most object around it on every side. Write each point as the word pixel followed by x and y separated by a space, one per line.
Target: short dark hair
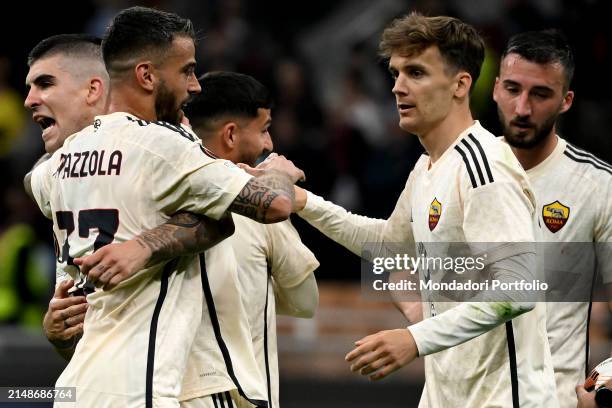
pixel 141 31
pixel 544 47
pixel 69 44
pixel 459 43
pixel 227 94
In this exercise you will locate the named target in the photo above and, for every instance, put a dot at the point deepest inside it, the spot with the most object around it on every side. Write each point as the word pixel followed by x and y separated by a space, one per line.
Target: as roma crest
pixel 435 210
pixel 555 216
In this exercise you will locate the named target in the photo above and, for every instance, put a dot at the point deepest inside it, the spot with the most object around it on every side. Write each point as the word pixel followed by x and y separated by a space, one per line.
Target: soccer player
pixel 128 172
pixel 232 115
pixel 468 188
pixel 68 86
pixel 532 90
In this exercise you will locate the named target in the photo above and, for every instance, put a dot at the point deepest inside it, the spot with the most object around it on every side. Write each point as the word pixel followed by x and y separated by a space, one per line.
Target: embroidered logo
pixel 555 216
pixel 435 210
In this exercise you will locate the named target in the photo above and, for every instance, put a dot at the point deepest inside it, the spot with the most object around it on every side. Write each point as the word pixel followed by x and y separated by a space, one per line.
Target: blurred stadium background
pixel 334 117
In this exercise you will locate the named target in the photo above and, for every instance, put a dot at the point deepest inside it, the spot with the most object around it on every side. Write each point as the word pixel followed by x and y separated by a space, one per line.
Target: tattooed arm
pixel 266 198
pixel 183 234
pixel 269 197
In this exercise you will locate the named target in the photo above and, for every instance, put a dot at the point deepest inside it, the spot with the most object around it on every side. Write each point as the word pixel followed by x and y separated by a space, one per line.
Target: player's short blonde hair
pixel 459 43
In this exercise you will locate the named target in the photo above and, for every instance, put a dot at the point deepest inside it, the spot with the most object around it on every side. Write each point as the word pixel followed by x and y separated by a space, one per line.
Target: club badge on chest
pixel 435 211
pixel 555 215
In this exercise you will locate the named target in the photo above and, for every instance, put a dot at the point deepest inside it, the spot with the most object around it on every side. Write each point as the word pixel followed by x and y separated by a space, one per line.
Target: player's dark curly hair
pixel 139 32
pixel 544 47
pixel 78 45
pixel 227 94
pixel 459 43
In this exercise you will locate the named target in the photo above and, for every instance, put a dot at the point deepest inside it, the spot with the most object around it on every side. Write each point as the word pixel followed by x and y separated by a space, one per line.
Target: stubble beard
pixel 522 139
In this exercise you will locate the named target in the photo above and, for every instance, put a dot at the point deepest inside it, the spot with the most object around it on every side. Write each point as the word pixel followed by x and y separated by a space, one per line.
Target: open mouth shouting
pixel 46 123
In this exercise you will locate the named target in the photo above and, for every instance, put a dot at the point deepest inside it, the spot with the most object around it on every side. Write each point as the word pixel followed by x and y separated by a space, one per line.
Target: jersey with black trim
pixel 242 355
pixel 234 358
pixel 223 357
pixel 269 256
pixel 108 183
pixel 574 193
pixel 477 192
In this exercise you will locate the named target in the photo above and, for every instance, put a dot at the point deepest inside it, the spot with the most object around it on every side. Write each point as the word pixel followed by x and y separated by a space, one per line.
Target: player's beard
pixel 166 105
pixel 529 138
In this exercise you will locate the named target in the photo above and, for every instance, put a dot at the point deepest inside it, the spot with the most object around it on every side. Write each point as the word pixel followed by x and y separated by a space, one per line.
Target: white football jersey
pixel 476 192
pixel 268 255
pixel 108 183
pixel 574 193
pixel 223 357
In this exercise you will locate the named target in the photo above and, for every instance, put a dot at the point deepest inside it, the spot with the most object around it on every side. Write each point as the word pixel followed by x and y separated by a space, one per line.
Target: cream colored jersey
pixel 108 183
pixel 475 193
pixel 268 256
pixel 574 193
pixel 223 357
pixel 238 309
pixel 226 399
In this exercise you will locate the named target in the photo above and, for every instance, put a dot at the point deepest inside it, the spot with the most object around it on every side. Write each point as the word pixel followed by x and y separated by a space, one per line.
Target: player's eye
pixel 541 95
pixel 44 84
pixel 416 73
pixel 512 90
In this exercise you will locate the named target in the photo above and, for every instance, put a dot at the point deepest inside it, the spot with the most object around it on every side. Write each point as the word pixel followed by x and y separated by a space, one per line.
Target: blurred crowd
pixel 334 113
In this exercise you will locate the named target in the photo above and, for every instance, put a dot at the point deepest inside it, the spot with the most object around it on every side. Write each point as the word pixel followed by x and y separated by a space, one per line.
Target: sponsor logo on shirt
pixel 435 210
pixel 555 216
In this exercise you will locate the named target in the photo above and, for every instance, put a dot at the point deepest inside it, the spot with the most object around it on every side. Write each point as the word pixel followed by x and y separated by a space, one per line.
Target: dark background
pixel 334 117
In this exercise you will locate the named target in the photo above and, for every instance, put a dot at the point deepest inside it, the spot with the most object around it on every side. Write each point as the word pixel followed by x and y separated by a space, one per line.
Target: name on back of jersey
pixel 89 163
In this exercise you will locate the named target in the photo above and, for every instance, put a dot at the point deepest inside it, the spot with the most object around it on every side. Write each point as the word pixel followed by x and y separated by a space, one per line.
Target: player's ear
pixel 229 135
pixel 568 99
pixel 463 81
pixel 96 90
pixel 145 75
pixel 495 89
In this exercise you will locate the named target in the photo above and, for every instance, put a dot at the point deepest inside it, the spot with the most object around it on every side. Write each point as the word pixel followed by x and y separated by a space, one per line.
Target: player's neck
pixel 439 138
pixel 213 144
pixel 125 100
pixel 529 158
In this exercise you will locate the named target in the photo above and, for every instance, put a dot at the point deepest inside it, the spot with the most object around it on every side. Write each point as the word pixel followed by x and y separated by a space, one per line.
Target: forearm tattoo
pixel 257 195
pixel 183 234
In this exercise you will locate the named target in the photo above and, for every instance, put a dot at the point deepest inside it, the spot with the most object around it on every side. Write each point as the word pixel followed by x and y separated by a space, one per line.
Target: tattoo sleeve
pixel 257 195
pixel 184 234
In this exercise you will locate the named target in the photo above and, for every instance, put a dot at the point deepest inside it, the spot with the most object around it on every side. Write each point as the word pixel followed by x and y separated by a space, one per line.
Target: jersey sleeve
pixel 499 216
pixel 355 231
pixel 289 259
pixel 40 183
pixel 462 323
pixel 193 181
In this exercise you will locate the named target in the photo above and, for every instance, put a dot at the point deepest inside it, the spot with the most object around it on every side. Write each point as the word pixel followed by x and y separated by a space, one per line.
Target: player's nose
pixel 268 144
pixel 523 106
pixel 32 99
pixel 193 87
pixel 399 87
